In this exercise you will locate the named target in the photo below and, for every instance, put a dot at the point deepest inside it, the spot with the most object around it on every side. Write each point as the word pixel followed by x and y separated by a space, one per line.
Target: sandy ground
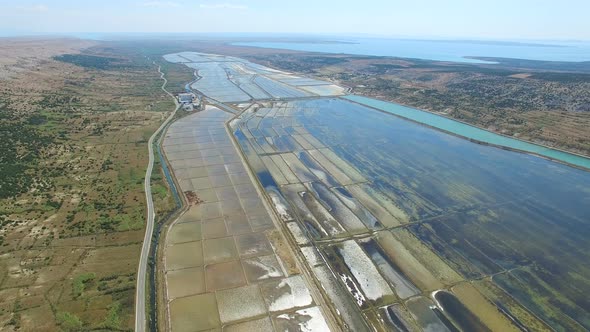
pixel 103 118
pixel 23 54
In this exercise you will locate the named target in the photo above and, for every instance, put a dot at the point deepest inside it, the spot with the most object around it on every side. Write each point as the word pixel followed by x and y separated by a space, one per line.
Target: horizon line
pixel 25 34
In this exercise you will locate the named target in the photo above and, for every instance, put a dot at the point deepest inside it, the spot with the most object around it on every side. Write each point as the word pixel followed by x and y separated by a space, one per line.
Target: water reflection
pixel 350 171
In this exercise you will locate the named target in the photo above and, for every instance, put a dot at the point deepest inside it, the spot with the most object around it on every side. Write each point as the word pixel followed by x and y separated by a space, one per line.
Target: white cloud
pixel 161 4
pixel 34 8
pixel 222 6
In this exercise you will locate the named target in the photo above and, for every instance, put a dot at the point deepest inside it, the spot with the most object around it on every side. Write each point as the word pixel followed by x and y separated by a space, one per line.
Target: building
pixel 186 98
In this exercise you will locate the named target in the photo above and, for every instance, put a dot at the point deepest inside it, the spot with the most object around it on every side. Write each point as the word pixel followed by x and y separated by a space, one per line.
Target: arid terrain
pixel 72 161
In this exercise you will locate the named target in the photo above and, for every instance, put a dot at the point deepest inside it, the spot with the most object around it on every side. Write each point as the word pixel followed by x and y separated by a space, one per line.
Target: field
pixel 75 119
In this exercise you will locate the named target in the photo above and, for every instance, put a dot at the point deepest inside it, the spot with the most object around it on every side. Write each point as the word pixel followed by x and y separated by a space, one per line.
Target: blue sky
pixel 499 19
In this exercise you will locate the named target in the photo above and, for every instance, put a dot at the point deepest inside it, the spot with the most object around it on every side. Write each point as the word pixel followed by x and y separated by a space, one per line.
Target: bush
pixel 69 321
pixel 112 320
pixel 80 282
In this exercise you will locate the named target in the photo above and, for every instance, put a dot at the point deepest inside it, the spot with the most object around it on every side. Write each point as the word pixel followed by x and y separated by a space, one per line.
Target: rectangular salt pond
pixel 223 251
pixel 489 197
pixel 229 79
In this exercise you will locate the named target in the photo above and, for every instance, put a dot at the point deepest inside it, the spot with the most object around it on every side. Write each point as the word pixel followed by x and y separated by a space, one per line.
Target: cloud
pixel 161 4
pixel 34 8
pixel 222 6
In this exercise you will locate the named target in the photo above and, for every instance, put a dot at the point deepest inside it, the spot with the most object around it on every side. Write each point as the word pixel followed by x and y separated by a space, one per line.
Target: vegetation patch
pixel 79 283
pixel 20 148
pixel 112 320
pixel 68 321
pixel 92 61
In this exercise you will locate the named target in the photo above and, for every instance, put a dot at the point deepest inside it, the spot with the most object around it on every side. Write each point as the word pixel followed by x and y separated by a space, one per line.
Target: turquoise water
pixel 442 50
pixel 468 131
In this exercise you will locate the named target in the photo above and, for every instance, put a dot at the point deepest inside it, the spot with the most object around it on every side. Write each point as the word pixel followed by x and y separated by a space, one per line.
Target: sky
pixel 478 19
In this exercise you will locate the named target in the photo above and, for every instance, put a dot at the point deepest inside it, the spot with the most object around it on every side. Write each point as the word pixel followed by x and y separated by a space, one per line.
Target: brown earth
pixel 70 242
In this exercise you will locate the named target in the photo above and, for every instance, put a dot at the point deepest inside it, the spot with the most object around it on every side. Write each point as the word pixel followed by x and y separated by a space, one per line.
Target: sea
pixel 441 50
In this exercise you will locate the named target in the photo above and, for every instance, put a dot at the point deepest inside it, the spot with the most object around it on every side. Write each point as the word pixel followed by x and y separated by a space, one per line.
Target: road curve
pixel 140 291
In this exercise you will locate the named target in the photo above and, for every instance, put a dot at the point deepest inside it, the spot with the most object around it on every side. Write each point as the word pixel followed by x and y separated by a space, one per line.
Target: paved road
pixel 140 292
